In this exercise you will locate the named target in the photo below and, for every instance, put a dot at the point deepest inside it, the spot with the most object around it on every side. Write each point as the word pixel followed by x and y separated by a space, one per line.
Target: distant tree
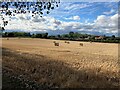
pixel 38 35
pixel 76 35
pixel 71 34
pixel 92 38
pixel 27 34
pixel 10 34
pixel 43 35
pixel 58 36
pixel 6 34
pixel 104 37
pixel 65 36
pixel 33 35
pixel 52 37
pixel 113 36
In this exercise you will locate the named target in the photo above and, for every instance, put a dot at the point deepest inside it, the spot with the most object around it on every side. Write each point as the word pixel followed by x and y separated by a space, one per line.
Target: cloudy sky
pixel 87 17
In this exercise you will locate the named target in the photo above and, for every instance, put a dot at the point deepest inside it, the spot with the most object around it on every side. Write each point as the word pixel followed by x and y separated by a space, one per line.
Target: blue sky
pixel 85 10
pixel 89 17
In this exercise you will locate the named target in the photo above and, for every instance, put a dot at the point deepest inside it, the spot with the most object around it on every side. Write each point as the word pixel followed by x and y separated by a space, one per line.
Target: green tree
pixel 38 35
pixel 71 34
pixel 113 36
pixel 33 35
pixel 44 35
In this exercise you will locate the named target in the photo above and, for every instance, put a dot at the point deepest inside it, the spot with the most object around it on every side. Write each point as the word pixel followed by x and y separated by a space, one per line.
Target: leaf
pixel 41 12
pixel 48 12
pixel 52 7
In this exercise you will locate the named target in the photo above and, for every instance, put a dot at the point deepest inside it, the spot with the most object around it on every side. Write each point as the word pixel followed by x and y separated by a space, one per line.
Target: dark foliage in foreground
pixel 22 7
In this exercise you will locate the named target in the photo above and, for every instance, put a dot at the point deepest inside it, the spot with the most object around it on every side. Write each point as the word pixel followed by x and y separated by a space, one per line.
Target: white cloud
pixel 73 18
pixel 114 18
pixel 76 18
pixel 76 6
pixel 103 23
pixel 109 23
pixel 109 12
pixel 101 20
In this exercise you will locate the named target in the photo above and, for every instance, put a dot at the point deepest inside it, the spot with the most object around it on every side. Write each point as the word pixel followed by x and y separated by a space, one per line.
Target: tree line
pixel 74 36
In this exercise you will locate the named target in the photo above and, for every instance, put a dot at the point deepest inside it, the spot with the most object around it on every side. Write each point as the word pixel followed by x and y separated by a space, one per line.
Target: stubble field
pixel 38 63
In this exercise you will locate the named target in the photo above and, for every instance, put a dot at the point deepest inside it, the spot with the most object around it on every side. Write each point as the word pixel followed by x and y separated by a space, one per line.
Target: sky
pixel 100 18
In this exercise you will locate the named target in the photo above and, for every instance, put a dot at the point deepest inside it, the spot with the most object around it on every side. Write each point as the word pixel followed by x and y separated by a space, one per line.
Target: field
pixel 38 63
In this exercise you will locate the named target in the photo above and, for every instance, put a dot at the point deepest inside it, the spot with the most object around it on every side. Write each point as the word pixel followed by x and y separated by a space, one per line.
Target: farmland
pixel 69 65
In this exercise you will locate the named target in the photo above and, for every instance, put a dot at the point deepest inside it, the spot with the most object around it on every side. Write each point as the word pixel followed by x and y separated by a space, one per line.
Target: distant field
pixel 68 65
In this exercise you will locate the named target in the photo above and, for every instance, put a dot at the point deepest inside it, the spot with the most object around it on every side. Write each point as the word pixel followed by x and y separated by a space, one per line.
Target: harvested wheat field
pixel 38 63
